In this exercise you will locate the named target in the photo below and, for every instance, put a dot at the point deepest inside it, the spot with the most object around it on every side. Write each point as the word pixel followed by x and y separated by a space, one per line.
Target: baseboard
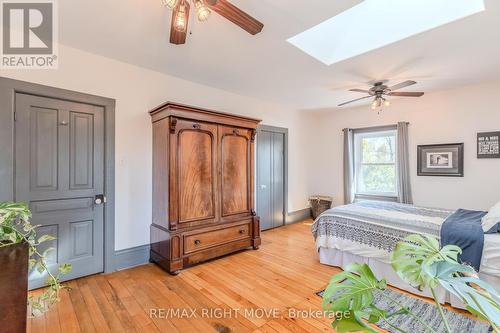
pixel 298 216
pixel 132 257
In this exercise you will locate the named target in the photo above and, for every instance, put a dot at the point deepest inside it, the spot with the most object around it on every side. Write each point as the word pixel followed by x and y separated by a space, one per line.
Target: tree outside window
pixel 375 163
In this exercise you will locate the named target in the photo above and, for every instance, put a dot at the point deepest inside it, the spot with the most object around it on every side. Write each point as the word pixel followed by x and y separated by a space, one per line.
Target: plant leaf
pixel 351 289
pixel 31 264
pixel 11 237
pixel 65 268
pixel 352 323
pixel 414 253
pixel 375 314
pixel 483 300
pixel 45 238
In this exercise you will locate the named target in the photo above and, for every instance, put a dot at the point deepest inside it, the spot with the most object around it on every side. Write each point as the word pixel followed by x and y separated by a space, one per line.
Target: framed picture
pixel 487 145
pixel 441 160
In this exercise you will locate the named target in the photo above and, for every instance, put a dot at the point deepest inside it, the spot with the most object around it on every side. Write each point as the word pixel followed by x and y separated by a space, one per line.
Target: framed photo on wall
pixel 487 145
pixel 445 160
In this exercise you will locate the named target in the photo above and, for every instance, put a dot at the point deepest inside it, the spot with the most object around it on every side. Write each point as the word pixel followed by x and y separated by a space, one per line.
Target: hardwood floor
pixel 280 278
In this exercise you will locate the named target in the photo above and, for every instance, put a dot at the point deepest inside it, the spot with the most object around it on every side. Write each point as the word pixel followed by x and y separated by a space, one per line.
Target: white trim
pixel 375 133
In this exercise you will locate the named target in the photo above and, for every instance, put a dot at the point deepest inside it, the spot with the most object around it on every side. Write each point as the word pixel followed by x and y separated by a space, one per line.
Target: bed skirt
pixel 338 258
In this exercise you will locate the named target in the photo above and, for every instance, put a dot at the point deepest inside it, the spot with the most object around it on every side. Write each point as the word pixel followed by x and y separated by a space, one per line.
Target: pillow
pixel 491 221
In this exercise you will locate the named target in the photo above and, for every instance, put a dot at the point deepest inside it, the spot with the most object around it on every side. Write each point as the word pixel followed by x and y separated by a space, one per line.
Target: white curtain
pixel 348 166
pixel 403 165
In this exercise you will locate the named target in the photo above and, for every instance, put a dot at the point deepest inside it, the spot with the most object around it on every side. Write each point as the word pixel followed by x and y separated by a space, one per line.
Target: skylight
pixel 373 24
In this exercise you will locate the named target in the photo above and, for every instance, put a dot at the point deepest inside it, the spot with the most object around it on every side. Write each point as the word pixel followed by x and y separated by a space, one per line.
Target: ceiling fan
pixel 180 16
pixel 380 89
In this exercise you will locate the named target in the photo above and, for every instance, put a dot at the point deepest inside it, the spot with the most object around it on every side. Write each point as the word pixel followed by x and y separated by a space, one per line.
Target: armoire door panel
pixel 195 171
pixel 235 170
pixel 195 175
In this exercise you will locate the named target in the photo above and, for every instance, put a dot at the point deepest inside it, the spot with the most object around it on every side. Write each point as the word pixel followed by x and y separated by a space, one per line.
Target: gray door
pixel 270 178
pixel 59 147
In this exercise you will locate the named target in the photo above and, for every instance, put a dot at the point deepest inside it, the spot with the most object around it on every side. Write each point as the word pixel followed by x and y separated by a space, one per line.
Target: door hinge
pixel 15 115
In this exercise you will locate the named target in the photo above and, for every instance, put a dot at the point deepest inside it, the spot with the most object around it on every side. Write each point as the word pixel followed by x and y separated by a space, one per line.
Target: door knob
pixel 100 199
pixel 197 242
pixel 263 187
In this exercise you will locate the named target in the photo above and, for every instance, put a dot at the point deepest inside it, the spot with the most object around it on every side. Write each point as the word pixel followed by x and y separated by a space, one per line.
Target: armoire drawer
pixel 197 242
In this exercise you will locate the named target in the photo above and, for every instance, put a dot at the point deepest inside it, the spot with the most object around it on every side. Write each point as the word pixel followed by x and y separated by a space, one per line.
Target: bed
pixel 367 231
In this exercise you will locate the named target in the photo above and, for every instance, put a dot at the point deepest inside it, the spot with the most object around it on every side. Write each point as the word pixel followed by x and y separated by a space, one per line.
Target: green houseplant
pixel 16 232
pixel 420 262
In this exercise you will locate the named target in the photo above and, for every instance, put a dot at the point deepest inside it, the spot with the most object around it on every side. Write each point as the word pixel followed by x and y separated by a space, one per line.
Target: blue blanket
pixel 463 229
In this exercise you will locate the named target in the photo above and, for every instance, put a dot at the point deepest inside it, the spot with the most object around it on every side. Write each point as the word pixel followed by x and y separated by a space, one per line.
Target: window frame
pixel 374 132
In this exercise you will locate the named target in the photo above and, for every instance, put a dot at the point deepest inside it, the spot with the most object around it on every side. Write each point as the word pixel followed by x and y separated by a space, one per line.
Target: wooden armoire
pixel 203 176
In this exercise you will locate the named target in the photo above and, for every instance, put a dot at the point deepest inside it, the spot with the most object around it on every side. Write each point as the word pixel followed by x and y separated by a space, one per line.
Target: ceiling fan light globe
pixel 180 21
pixel 377 103
pixel 170 3
pixel 202 11
pixel 387 103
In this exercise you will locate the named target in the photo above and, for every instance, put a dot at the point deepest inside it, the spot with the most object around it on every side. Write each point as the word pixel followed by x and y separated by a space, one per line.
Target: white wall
pixel 442 117
pixel 315 138
pixel 138 90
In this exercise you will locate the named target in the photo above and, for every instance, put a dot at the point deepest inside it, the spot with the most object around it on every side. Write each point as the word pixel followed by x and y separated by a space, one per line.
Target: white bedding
pixel 371 230
pixel 490 262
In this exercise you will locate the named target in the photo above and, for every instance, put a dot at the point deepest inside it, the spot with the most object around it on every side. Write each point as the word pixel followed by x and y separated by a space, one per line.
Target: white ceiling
pixel 265 66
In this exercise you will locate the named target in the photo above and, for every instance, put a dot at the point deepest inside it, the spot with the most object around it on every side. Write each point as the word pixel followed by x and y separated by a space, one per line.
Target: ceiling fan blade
pixel 178 37
pixel 402 85
pixel 406 94
pixel 360 90
pixel 211 2
pixel 236 15
pixel 354 100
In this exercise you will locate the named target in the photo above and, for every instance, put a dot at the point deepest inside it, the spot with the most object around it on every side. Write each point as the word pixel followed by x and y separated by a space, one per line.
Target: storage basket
pixel 319 204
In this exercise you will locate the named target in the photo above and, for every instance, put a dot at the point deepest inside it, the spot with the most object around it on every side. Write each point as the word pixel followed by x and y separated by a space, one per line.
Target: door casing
pixel 283 131
pixel 8 90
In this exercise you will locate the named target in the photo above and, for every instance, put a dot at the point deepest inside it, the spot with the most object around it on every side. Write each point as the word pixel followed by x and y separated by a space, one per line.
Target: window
pixel 375 163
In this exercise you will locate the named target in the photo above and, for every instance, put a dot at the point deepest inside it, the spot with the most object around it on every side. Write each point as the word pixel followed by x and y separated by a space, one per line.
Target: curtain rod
pixel 373 128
